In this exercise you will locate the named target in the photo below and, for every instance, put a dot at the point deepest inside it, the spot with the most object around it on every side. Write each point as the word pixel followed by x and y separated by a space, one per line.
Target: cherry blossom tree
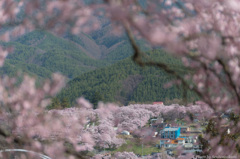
pixel 204 34
pixel 123 155
pixel 131 119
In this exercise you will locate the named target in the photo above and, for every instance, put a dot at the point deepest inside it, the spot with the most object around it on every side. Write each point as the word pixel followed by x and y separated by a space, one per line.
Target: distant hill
pixel 115 47
pixel 40 53
pixel 126 82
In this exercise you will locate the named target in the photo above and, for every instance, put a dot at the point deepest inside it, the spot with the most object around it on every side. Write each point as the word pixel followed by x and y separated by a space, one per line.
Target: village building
pixel 159 103
pixel 184 129
pixel 163 141
pixel 171 144
pixel 168 143
pixel 171 133
pixel 181 141
pixel 188 138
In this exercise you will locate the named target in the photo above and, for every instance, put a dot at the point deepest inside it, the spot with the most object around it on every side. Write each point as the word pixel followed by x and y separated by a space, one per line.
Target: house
pixel 184 129
pixel 171 144
pixel 197 147
pixel 159 125
pixel 159 103
pixel 163 141
pixel 181 141
pixel 159 120
pixel 170 132
pixel 189 139
pixel 168 143
pixel 188 146
pixel 192 148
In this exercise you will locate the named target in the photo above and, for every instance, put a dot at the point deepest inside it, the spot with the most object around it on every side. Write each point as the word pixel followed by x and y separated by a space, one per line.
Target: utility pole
pixel 104 148
pixel 141 133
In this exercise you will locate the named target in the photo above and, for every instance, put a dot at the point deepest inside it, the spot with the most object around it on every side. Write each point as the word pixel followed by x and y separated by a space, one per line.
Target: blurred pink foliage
pixel 204 34
pixel 82 126
pixel 131 155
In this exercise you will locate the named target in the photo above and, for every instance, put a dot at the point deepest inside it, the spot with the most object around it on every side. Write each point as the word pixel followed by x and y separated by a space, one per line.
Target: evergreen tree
pixel 97 97
pixel 55 104
pixel 65 102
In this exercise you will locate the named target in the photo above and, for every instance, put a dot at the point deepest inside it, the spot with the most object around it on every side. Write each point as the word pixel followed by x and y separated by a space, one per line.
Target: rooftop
pixel 170 129
pixel 161 103
pixel 174 142
pixel 170 143
pixel 164 139
pixel 180 138
pixel 188 135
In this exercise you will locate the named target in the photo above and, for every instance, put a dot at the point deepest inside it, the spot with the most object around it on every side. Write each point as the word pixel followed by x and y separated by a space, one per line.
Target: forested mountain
pixel 99 64
pixel 125 82
pixel 114 47
pixel 41 53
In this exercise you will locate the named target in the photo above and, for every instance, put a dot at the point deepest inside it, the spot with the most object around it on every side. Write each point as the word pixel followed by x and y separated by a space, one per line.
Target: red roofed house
pixel 160 103
pixel 167 143
pixel 172 143
pixel 181 141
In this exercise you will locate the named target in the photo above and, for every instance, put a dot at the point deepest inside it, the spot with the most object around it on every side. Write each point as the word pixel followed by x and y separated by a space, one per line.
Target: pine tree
pixel 55 104
pixel 65 103
pixel 96 98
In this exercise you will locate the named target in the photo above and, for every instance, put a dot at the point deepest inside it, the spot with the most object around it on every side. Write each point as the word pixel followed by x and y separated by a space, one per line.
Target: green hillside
pixel 126 82
pixel 124 50
pixel 41 53
pixel 115 47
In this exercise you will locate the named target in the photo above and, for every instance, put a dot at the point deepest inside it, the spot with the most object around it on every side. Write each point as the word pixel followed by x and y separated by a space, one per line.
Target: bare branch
pixel 226 71
pixel 137 57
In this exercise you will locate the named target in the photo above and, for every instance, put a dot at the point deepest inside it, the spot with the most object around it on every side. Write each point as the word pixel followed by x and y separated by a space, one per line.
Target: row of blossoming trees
pixel 204 34
pixel 71 132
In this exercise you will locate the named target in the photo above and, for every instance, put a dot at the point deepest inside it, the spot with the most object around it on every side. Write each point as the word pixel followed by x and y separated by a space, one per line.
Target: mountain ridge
pixel 125 82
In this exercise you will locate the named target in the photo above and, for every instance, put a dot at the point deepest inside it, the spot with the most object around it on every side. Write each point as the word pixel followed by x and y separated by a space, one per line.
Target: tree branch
pixel 137 57
pixel 226 71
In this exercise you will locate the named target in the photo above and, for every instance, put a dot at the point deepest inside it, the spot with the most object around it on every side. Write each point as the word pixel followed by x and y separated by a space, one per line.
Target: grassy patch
pixel 133 145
